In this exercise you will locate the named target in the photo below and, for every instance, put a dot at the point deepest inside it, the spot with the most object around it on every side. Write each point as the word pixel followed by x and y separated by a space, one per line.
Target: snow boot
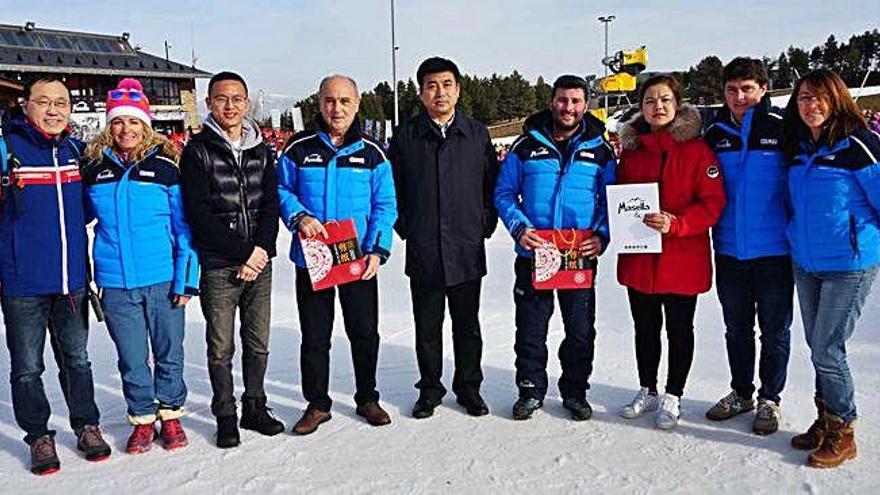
pixel 173 436
pixel 227 432
pixel 44 458
pixel 92 444
pixel 812 438
pixel 141 439
pixel 525 407
pixel 257 417
pixel 838 446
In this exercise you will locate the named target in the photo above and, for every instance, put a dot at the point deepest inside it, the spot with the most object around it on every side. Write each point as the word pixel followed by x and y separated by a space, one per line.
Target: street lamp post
pixel 606 20
pixel 394 66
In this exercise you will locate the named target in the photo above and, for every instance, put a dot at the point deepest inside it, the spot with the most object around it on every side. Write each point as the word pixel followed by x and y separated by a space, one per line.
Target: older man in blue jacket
pixel 336 173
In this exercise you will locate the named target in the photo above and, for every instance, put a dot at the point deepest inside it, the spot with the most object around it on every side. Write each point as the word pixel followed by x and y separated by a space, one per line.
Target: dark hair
pixel 666 79
pixel 29 86
pixel 569 81
pixel 434 65
pixel 226 76
pixel 745 68
pixel 845 117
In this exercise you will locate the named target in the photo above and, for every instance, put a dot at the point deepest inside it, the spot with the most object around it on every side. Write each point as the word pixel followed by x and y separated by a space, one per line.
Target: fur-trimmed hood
pixel 686 125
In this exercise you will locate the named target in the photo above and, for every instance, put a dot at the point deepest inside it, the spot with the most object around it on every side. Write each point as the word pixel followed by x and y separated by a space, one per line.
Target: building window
pixel 161 91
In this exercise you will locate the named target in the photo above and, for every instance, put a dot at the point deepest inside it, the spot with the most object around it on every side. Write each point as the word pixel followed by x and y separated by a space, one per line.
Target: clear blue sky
pixel 285 47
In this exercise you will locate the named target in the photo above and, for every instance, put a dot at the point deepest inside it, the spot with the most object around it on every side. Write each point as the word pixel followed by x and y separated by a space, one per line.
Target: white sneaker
pixel 669 412
pixel 643 402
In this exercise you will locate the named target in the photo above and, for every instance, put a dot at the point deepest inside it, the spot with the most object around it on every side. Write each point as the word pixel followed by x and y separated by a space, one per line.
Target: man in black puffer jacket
pixel 229 190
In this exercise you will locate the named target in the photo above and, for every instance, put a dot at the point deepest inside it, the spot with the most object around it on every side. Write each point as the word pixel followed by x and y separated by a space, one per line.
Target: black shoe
pixel 90 442
pixel 227 432
pixel 424 408
pixel 525 407
pixel 256 416
pixel 44 459
pixel 473 403
pixel 580 409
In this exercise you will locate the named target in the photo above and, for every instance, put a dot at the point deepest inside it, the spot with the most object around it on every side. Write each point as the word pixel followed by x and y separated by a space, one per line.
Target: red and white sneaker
pixel 173 436
pixel 141 439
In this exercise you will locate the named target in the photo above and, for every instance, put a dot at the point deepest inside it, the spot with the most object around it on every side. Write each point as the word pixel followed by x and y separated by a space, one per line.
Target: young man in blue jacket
pixel 336 173
pixel 554 177
pixel 754 271
pixel 43 265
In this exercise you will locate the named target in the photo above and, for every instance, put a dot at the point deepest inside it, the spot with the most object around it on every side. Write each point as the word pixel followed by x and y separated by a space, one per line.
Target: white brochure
pixel 627 206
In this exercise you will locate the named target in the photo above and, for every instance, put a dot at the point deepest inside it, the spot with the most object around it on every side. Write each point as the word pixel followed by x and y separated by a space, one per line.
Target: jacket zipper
pixel 853 237
pixel 61 221
pixel 663 155
pixel 242 197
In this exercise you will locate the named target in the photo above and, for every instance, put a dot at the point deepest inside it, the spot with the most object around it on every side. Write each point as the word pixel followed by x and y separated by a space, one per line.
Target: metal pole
pixel 606 20
pixel 394 67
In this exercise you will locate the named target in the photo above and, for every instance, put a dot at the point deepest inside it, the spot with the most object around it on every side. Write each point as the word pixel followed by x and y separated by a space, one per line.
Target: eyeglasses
pixel 125 94
pixel 807 100
pixel 237 101
pixel 45 103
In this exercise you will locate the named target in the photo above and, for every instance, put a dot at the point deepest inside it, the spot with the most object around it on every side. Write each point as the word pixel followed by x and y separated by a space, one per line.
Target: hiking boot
pixel 525 407
pixel 44 459
pixel 141 439
pixel 173 436
pixel 227 432
pixel 473 403
pixel 257 417
pixel 644 401
pixel 373 413
pixel 579 408
pixel 729 406
pixel 812 438
pixel 668 412
pixel 92 444
pixel 310 421
pixel 766 417
pixel 424 407
pixel 838 446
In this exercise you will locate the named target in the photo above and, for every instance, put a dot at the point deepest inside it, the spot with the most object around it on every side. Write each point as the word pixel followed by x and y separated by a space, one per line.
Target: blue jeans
pixel 26 320
pixel 139 319
pixel 762 287
pixel 533 311
pixel 831 303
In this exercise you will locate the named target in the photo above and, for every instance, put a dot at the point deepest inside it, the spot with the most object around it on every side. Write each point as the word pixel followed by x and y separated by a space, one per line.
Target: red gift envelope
pixel 557 264
pixel 336 260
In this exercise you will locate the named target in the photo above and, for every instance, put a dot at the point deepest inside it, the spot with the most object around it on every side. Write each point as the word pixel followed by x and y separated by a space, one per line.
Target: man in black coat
pixel 444 172
pixel 231 200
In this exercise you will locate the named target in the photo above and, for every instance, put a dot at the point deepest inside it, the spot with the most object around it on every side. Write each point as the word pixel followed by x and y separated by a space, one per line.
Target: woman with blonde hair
pixel 834 232
pixel 145 265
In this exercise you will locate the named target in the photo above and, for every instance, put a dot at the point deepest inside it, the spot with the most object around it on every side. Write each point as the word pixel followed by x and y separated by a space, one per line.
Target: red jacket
pixel 691 189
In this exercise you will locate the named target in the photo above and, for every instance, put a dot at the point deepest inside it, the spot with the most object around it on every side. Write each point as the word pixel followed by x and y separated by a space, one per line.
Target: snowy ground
pixel 453 452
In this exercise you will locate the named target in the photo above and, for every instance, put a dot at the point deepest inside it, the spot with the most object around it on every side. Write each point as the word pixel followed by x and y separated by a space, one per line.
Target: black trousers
pixel 360 312
pixel 647 312
pixel 533 311
pixel 429 308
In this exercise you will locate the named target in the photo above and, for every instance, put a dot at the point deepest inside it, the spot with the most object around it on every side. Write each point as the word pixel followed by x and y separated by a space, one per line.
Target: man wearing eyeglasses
pixel 231 200
pixel 43 265
pixel 753 266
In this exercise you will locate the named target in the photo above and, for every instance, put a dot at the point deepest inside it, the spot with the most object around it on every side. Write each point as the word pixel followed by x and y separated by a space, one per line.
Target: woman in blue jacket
pixel 834 232
pixel 144 262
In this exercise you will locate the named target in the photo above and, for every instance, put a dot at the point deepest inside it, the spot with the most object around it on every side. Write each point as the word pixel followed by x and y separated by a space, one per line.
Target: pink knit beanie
pixel 129 99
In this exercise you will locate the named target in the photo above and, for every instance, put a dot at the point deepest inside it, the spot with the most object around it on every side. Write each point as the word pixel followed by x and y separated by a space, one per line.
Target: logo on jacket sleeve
pixel 713 171
pixel 106 174
pixel 313 158
pixel 769 142
pixel 356 159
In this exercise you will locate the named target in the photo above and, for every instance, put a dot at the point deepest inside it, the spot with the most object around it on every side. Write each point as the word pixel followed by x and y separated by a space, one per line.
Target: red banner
pixel 558 264
pixel 336 260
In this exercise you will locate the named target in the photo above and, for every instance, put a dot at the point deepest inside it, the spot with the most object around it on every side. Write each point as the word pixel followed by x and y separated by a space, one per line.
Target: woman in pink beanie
pixel 144 261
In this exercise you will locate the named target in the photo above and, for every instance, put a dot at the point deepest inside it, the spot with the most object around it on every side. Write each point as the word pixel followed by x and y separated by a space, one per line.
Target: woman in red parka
pixel 662 144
